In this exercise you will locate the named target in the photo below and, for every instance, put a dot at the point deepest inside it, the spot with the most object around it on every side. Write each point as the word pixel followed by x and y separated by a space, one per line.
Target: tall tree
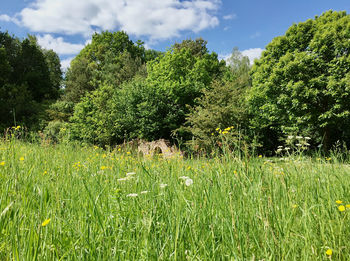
pixel 301 84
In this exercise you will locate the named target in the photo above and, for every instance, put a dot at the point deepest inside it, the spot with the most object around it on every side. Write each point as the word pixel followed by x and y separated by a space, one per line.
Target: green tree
pixel 222 105
pixel 301 84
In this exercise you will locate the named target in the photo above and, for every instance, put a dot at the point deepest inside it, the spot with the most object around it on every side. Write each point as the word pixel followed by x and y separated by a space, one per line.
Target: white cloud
pixel 229 17
pixel 253 53
pixel 157 19
pixel 59 45
pixel 66 63
pixel 7 18
pixel 255 35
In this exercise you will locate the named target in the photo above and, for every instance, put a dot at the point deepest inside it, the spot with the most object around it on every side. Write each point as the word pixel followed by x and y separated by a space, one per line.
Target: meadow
pixel 72 202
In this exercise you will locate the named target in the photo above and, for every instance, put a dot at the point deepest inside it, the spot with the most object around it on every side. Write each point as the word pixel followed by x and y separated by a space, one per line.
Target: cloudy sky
pixel 66 26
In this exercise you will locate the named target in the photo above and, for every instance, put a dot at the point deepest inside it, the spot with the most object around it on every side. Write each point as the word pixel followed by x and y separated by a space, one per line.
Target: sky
pixel 66 26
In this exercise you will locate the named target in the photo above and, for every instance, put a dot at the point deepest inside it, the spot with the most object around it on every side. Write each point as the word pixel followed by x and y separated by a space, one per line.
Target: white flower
pixel 287 148
pixel 299 137
pixel 132 195
pixel 290 137
pixel 299 145
pixel 280 147
pixel 130 174
pixel 163 185
pixel 144 192
pixel 125 178
pixel 188 182
pixel 307 138
pixel 279 150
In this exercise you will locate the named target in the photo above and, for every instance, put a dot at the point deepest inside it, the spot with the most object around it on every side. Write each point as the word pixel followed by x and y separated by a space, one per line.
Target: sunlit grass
pixel 67 202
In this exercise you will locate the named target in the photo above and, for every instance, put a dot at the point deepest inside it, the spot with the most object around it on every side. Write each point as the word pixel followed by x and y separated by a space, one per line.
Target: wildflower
pixel 21 158
pixel 128 153
pixel 125 179
pixel 103 167
pixel 278 150
pixel 341 208
pixel 132 195
pixel 307 138
pixel 188 182
pixel 295 206
pixel 328 159
pixel 189 167
pixel 2 163
pixel 217 129
pixel 144 192
pixel 299 137
pixel 46 222
pixel 235 172
pixel 260 156
pixel 163 185
pixel 347 206
pixel 45 172
pixel 339 202
pixel 104 156
pixel 290 137
pixel 224 132
pixel 329 252
pixel 298 144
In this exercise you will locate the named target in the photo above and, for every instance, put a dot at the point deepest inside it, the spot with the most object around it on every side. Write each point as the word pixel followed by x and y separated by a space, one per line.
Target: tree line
pixel 116 90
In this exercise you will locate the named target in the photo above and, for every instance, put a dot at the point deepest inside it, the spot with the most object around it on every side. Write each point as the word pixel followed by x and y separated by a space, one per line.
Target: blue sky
pixel 66 25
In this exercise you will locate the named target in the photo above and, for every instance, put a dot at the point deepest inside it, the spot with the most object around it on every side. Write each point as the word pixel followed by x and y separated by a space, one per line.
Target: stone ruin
pixel 158 147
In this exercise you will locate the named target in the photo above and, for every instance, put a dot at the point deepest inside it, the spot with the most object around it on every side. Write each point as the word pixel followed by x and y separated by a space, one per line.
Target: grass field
pixel 67 202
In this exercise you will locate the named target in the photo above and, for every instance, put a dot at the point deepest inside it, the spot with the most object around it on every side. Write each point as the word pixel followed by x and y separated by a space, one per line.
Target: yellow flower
pixel 217 129
pixel 329 252
pixel 260 156
pixel 224 132
pixel 295 206
pixel 328 159
pixel 347 206
pixel 21 158
pixel 45 172
pixel 2 163
pixel 341 208
pixel 47 221
pixel 128 153
pixel 339 202
pixel 103 167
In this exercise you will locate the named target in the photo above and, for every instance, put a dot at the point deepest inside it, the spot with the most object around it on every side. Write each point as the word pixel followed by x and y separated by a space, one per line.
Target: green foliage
pixel 301 84
pixel 30 79
pixel 221 106
pixel 111 58
pixel 180 77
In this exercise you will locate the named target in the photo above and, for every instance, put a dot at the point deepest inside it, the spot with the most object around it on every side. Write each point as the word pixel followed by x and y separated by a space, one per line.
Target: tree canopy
pixel 301 84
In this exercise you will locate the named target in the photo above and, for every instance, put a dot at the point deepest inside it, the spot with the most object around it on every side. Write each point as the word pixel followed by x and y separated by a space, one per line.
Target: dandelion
pixel 2 163
pixel 46 222
pixel 45 172
pixel 329 252
pixel 21 158
pixel 163 185
pixel 132 195
pixel 188 182
pixel 103 167
pixel 347 206
pixel 341 208
pixel 339 202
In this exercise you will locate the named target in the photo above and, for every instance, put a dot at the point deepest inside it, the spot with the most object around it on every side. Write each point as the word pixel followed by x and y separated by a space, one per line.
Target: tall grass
pixel 235 209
